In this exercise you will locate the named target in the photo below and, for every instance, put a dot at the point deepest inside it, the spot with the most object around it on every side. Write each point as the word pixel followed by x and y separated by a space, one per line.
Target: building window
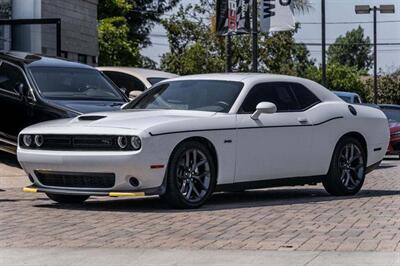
pixel 94 60
pixel 82 58
pixel 64 54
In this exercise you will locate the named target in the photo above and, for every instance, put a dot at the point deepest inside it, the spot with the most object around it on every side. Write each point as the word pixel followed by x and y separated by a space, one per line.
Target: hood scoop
pixel 91 117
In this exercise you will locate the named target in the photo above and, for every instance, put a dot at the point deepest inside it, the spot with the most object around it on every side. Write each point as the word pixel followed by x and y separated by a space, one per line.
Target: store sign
pixel 233 17
pixel 276 15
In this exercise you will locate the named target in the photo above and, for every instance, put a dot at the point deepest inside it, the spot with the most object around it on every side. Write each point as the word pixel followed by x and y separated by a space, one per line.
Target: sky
pixel 340 18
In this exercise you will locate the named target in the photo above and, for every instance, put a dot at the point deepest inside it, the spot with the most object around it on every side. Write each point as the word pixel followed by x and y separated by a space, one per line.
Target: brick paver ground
pixel 301 218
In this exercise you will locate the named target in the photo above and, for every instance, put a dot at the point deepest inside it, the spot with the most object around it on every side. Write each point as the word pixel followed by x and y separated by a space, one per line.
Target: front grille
pixel 70 179
pixel 80 142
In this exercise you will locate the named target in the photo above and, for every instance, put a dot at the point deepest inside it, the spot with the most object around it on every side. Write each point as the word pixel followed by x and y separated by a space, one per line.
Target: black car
pixel 34 89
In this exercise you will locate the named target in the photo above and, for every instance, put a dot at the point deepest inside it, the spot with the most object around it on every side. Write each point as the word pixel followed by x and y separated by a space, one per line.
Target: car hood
pixel 137 120
pixel 394 127
pixel 89 106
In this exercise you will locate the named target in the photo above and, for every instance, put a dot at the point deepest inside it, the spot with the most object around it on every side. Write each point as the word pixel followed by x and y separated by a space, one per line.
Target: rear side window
pixel 278 93
pixel 304 96
pixel 288 97
pixel 10 77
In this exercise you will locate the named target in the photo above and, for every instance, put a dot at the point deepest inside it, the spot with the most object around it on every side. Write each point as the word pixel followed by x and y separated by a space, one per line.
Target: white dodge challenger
pixel 188 137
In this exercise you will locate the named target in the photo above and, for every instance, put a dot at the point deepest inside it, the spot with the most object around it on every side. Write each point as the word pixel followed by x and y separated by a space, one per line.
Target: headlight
pixel 27 140
pixel 39 140
pixel 122 142
pixel 136 143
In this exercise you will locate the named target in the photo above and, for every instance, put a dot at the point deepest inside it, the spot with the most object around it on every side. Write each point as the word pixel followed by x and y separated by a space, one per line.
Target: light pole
pixel 383 9
pixel 323 37
pixel 254 36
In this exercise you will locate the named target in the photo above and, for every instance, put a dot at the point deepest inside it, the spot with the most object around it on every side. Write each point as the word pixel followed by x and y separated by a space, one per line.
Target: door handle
pixel 302 120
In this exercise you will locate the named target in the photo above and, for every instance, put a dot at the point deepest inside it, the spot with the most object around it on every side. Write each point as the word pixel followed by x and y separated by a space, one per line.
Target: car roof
pixel 345 93
pixel 33 60
pixel 147 73
pixel 250 79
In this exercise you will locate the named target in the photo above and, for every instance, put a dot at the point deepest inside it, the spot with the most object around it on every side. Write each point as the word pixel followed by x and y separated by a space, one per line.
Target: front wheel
pixel 347 171
pixel 191 177
pixel 67 199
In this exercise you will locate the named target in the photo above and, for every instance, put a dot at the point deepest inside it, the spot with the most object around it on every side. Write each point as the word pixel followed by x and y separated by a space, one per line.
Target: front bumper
pixel 394 146
pixel 124 165
pixel 146 192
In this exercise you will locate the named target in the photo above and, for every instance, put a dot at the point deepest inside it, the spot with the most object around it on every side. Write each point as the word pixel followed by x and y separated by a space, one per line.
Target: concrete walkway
pixel 122 256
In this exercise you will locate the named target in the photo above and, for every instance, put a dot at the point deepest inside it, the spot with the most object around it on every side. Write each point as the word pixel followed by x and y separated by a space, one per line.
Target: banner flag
pixel 276 15
pixel 233 17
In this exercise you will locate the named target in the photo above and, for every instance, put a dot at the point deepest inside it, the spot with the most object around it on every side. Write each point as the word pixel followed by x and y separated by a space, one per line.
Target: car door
pixel 14 110
pixel 275 145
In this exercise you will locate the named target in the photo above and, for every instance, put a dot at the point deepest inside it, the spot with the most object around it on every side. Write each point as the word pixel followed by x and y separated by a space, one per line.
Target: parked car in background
pixel 392 112
pixel 34 89
pixel 187 137
pixel 133 81
pixel 349 97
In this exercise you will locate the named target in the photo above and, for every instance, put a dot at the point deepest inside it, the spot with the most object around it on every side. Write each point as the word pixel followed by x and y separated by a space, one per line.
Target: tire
pixel 191 176
pixel 347 170
pixel 67 199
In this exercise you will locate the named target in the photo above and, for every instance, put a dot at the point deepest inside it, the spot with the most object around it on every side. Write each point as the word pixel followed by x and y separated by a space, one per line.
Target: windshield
pixel 74 84
pixel 393 114
pixel 201 95
pixel 155 80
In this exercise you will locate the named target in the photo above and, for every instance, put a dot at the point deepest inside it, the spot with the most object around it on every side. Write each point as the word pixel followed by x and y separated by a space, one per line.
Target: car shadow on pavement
pixel 9 159
pixel 220 201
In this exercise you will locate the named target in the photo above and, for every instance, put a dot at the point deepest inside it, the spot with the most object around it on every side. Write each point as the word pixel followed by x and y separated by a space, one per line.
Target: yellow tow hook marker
pixel 126 194
pixel 29 190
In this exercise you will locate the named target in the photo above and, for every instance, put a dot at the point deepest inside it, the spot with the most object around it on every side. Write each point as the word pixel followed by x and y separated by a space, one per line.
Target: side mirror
pixel 263 108
pixel 134 94
pixel 22 90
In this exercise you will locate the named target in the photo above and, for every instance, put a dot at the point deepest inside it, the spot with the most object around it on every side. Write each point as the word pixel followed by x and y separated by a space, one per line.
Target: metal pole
pixel 375 59
pixel 59 38
pixel 323 30
pixel 228 67
pixel 254 32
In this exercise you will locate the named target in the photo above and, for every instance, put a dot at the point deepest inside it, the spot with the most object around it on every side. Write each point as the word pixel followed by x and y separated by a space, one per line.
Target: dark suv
pixel 34 89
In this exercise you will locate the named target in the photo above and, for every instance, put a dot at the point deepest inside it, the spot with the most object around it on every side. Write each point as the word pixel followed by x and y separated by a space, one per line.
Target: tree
pixel 124 26
pixel 353 50
pixel 340 78
pixel 195 47
pixel 141 15
pixel 388 89
pixel 115 47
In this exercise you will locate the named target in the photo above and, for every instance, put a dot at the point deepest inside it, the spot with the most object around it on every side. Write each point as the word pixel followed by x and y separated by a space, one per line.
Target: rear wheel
pixel 347 171
pixel 191 177
pixel 67 199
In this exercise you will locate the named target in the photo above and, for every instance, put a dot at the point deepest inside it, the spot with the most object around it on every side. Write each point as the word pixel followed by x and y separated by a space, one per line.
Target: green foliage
pixel 113 8
pixel 115 47
pixel 195 47
pixel 280 54
pixel 141 15
pixel 124 26
pixel 340 78
pixel 353 49
pixel 388 89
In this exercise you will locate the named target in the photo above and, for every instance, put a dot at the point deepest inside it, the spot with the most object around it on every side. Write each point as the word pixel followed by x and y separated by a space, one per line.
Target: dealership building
pixel 79 40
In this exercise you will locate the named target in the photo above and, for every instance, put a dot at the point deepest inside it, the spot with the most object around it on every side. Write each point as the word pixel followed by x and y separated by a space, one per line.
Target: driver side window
pixel 10 77
pixel 279 93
